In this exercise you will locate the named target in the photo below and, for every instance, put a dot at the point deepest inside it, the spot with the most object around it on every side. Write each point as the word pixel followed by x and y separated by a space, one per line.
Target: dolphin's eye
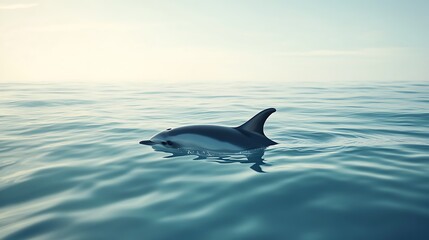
pixel 169 143
pixel 163 143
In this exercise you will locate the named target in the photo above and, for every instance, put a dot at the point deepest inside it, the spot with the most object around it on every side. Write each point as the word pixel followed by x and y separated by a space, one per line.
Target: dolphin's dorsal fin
pixel 256 123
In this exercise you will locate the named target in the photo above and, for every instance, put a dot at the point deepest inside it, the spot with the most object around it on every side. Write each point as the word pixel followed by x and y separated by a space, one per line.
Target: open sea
pixel 352 162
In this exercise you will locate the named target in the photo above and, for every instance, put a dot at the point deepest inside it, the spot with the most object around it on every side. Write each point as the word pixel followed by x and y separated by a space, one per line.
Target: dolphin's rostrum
pixel 212 138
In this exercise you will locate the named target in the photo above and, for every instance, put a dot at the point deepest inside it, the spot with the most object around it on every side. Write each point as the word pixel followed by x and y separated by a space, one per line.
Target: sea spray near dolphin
pixel 247 136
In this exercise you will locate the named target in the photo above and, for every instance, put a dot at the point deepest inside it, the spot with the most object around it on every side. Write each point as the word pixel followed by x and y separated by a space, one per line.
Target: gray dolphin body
pixel 248 136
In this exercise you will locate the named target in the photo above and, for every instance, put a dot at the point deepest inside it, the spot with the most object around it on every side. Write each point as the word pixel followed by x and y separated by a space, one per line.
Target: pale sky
pixel 214 40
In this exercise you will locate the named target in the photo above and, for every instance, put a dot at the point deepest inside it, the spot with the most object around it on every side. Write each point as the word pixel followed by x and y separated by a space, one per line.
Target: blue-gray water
pixel 352 163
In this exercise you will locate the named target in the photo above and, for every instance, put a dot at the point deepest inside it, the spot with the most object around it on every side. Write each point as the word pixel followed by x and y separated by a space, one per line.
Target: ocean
pixel 352 162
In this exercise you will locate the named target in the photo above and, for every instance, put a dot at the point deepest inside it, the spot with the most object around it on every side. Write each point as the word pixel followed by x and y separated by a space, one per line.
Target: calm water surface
pixel 352 163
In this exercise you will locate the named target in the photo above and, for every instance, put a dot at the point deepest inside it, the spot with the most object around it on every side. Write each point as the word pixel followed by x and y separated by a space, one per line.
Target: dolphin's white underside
pixel 197 141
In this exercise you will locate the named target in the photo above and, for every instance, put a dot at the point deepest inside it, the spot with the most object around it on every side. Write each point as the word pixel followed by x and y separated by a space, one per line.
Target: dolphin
pixel 209 139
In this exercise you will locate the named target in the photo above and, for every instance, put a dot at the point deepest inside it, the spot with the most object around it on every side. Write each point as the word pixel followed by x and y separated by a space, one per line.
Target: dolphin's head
pixel 161 141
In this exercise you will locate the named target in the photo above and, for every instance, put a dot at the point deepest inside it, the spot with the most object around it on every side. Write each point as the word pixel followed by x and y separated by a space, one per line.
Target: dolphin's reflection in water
pixel 253 157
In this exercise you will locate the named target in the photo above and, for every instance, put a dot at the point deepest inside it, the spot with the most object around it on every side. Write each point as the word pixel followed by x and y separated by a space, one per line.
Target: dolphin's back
pixel 226 136
pixel 214 131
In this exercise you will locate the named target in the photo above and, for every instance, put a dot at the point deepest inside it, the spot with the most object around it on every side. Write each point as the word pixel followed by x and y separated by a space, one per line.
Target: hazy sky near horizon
pixel 216 40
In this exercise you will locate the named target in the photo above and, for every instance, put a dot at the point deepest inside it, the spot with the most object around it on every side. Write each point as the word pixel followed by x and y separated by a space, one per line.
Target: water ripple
pixel 352 163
